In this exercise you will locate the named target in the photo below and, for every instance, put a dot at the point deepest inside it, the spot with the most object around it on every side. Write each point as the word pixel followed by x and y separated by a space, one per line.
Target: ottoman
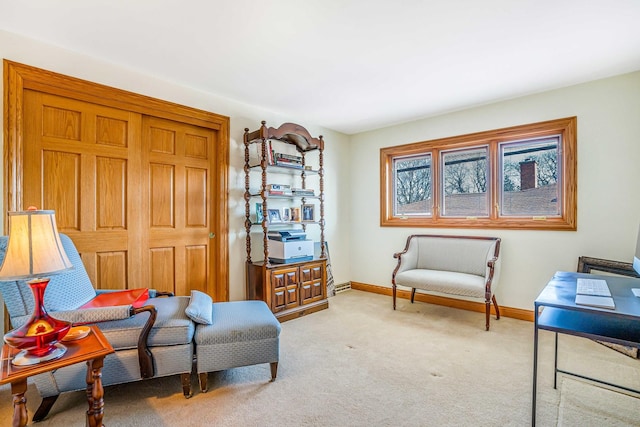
pixel 241 333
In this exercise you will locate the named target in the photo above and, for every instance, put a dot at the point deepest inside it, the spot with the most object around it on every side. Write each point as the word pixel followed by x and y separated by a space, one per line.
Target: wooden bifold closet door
pixel 138 194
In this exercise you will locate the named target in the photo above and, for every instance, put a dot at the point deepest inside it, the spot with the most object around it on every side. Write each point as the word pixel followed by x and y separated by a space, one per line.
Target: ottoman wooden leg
pixel 202 377
pixel 274 371
pixel 185 379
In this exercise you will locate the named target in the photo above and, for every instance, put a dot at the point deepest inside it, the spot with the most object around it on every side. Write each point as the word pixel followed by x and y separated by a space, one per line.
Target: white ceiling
pixel 348 65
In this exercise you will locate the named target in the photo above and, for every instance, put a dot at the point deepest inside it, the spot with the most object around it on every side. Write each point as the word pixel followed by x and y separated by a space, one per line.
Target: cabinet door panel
pixel 292 296
pixel 311 272
pixel 279 302
pixel 313 282
pixel 285 288
pixel 316 289
pixel 306 292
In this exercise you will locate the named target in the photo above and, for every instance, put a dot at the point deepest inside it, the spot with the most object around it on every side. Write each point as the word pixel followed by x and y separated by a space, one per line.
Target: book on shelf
pixel 270 159
pixel 288 158
pixel 268 155
pixel 303 192
pixel 287 164
pixel 288 161
pixel 280 193
pixel 279 190
pixel 278 187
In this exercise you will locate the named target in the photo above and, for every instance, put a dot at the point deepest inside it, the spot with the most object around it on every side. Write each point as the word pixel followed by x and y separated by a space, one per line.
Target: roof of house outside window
pixel 534 201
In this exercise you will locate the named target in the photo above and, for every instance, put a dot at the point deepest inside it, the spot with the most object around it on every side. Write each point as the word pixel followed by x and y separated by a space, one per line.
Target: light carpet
pixel 360 363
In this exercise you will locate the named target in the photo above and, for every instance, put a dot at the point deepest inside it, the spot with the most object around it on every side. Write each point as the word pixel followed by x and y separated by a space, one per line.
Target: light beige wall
pixel 608 173
pixel 608 186
pixel 38 54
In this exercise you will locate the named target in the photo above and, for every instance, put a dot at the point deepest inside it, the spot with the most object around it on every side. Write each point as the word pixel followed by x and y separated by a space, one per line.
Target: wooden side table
pixel 91 349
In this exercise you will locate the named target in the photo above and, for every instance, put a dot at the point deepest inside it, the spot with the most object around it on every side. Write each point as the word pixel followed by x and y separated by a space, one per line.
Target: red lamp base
pixel 24 358
pixel 39 337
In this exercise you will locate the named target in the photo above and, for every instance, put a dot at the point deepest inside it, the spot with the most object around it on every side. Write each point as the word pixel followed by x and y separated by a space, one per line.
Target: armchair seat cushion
pixel 447 282
pixel 172 326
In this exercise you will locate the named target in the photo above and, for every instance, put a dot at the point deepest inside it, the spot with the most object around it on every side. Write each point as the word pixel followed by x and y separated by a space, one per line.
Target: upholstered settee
pixel 154 340
pixel 463 266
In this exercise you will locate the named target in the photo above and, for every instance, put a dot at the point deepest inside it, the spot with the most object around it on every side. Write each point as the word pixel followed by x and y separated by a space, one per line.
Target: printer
pixel 287 235
pixel 287 246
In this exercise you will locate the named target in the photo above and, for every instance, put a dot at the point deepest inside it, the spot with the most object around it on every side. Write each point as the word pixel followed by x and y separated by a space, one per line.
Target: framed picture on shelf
pixel 286 214
pixel 308 213
pixel 274 215
pixel 259 214
pixel 295 214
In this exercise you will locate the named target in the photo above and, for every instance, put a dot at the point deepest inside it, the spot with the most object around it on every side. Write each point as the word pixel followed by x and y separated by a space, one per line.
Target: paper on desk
pixel 595 301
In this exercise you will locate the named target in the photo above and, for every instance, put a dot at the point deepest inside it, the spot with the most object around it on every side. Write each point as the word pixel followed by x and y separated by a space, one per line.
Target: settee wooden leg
pixel 44 408
pixel 413 294
pixel 274 371
pixel 487 313
pixel 495 304
pixel 186 385
pixel 202 379
pixel 394 296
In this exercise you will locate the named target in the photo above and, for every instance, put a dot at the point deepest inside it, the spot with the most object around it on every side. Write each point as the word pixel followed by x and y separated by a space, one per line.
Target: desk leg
pixel 555 365
pixel 20 417
pixel 95 392
pixel 535 369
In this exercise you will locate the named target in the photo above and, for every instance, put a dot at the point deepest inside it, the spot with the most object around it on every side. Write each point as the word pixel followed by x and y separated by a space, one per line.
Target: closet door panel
pixel 78 160
pixel 179 204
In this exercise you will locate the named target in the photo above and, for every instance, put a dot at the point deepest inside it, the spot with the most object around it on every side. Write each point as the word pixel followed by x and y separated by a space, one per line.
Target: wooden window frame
pixel 566 221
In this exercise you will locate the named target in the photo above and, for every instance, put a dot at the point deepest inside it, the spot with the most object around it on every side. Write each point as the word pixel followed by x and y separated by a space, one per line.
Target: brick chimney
pixel 528 174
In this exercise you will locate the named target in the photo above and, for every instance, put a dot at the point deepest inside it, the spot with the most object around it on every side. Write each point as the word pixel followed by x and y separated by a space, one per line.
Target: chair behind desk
pixel 586 264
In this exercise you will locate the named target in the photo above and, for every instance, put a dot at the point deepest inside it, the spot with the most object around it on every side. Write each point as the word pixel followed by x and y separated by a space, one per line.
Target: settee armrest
pixel 491 272
pixel 493 269
pixel 407 259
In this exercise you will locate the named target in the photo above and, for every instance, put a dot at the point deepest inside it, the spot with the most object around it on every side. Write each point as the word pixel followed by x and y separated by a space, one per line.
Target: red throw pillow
pixel 134 297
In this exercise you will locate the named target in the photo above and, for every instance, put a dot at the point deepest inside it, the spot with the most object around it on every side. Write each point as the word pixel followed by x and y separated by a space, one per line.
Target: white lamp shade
pixel 34 247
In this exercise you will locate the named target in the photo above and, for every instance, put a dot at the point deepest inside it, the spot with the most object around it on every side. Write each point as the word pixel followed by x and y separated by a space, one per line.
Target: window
pixel 412 185
pixel 464 178
pixel 521 177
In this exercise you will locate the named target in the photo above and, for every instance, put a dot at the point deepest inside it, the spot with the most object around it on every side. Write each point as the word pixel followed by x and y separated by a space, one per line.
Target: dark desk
pixel 556 310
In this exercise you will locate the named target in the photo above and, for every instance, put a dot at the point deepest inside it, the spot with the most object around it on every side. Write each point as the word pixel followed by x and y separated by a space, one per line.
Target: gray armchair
pixel 154 340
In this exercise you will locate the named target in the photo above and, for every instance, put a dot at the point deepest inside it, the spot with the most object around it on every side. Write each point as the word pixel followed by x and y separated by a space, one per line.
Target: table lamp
pixel 34 249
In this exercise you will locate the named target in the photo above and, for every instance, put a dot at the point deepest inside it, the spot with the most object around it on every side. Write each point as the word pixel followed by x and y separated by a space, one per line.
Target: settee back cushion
pixel 453 254
pixel 66 291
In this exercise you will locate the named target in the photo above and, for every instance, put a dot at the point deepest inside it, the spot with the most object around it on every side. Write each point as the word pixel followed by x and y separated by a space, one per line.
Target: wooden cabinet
pixel 290 290
pixel 297 287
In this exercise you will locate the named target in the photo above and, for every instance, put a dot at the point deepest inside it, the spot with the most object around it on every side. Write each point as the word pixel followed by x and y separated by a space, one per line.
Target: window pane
pixel 412 185
pixel 530 171
pixel 464 177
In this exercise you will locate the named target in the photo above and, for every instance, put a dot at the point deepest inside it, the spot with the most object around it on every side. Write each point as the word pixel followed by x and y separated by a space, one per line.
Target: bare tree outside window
pixel 465 182
pixel 413 185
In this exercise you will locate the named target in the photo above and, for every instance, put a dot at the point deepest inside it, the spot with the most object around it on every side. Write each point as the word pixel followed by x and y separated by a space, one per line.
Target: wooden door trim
pixel 20 77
